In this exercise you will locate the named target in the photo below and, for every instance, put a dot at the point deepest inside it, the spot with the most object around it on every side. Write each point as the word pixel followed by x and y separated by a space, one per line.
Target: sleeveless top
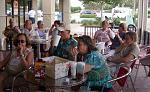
pixel 14 65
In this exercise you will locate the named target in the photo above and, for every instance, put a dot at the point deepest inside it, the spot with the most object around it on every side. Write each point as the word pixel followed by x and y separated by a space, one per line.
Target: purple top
pixel 102 36
pixel 42 33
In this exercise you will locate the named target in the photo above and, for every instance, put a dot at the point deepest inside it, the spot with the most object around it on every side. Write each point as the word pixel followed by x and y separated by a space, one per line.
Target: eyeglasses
pixel 20 41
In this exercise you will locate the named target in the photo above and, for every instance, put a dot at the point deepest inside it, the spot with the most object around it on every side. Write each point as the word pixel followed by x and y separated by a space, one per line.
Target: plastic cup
pixel 101 47
pixel 56 40
pixel 73 65
pixel 80 68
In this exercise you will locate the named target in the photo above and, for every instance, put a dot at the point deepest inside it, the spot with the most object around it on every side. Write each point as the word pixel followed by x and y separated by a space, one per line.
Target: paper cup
pixel 101 47
pixel 73 65
pixel 56 40
pixel 80 67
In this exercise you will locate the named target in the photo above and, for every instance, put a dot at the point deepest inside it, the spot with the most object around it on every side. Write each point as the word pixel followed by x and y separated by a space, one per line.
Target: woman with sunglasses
pixel 95 64
pixel 18 60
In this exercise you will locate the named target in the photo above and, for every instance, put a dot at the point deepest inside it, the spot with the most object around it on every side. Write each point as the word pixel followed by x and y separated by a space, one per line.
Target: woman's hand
pixel 20 49
pixel 74 51
pixel 109 58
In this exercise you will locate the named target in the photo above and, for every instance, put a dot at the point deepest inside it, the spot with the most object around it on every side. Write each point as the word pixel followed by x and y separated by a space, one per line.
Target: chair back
pixel 144 50
pixel 148 51
pixel 121 78
pixel 123 71
pixel 133 63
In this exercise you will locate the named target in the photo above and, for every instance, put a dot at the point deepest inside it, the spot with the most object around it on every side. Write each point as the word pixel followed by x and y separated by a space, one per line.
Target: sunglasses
pixel 20 41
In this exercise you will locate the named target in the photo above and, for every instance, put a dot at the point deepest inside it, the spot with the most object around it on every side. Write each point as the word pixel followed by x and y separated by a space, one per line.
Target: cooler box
pixel 56 67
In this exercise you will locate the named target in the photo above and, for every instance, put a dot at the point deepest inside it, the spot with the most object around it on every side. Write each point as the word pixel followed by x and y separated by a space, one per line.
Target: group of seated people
pixel 126 49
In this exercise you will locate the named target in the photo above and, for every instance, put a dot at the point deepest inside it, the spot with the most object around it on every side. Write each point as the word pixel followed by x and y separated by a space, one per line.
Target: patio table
pixel 53 84
pixel 38 42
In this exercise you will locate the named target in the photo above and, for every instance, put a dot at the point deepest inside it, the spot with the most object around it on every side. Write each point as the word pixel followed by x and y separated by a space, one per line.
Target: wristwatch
pixel 22 55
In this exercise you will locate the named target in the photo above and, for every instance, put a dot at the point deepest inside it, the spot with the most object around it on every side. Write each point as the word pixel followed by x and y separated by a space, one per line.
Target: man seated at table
pixel 66 43
pixel 54 28
pixel 28 28
pixel 127 51
pixel 10 32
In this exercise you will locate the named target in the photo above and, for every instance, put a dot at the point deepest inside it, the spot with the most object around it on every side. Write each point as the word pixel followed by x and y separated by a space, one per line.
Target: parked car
pixel 8 12
pixel 87 12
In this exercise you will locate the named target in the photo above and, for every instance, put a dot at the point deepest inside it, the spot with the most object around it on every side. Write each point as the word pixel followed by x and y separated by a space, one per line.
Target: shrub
pixel 148 15
pixel 87 15
pixel 96 22
pixel 116 21
pixel 75 9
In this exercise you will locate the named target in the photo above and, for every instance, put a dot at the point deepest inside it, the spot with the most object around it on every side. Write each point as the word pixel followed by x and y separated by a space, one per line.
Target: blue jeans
pixel 32 19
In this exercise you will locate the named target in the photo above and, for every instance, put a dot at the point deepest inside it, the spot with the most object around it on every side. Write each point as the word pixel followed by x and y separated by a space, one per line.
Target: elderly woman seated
pixel 18 60
pixel 94 63
pixel 127 51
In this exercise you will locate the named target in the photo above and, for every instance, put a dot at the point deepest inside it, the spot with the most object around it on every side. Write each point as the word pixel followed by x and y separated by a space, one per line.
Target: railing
pixel 90 30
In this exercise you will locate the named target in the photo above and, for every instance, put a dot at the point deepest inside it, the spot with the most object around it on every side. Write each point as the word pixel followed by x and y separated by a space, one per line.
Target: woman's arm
pixel 88 68
pixel 28 60
pixel 125 59
pixel 120 39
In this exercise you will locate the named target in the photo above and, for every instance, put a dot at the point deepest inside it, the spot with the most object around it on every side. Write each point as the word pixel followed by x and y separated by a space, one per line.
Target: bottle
pixel 42 72
pixel 38 68
pixel 69 72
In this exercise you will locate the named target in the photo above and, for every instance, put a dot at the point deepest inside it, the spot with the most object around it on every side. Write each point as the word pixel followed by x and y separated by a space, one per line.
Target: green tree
pixel 75 9
pixel 98 4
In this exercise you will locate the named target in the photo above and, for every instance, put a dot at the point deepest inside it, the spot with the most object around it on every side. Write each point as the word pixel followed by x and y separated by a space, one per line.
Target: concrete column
pixel 66 13
pixel 48 12
pixel 145 13
pixel 140 17
pixel 35 7
pixel 145 16
pixel 61 8
pixel 2 16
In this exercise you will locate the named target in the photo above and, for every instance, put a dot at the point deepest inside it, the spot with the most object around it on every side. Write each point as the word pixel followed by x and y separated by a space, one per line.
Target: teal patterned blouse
pixel 100 71
pixel 64 48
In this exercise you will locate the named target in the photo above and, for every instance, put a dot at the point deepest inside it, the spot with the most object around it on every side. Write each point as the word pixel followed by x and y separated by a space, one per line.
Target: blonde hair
pixel 132 35
pixel 105 23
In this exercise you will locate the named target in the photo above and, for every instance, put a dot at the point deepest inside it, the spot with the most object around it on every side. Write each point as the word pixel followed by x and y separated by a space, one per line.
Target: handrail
pixel 90 30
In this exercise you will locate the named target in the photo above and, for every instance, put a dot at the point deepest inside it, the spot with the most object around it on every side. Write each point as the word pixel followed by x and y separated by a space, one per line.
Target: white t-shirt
pixel 32 13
